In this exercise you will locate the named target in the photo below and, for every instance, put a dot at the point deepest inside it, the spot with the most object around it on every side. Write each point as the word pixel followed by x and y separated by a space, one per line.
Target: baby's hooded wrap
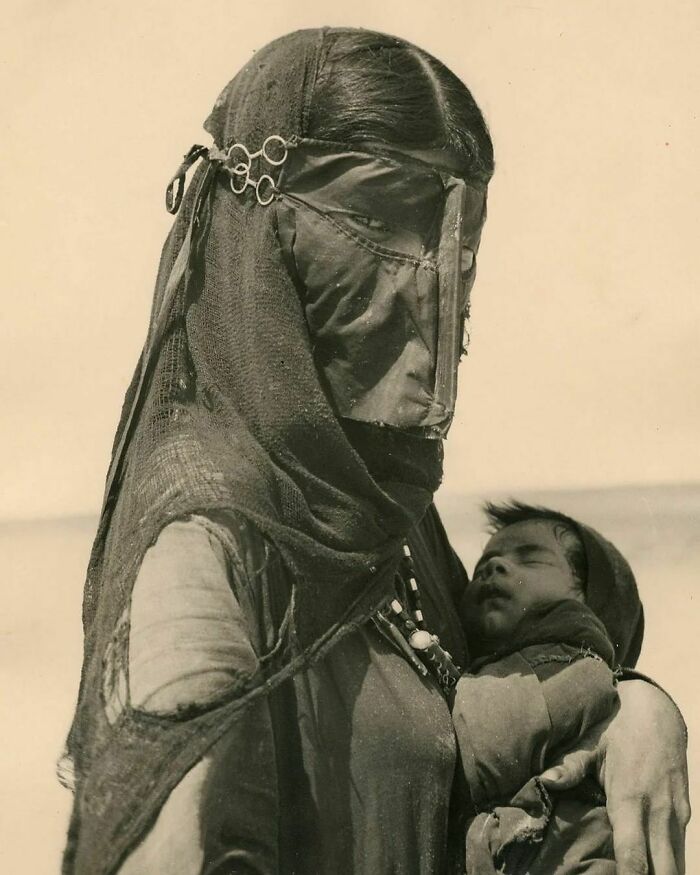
pixel 532 700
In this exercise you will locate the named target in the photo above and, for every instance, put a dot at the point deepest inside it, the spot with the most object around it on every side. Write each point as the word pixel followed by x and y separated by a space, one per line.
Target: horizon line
pixel 445 492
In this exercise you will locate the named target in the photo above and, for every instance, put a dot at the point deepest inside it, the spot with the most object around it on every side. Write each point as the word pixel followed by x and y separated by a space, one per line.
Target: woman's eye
pixel 369 222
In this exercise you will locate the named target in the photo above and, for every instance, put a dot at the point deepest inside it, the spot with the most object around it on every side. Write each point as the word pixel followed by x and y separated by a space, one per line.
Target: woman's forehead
pixel 441 159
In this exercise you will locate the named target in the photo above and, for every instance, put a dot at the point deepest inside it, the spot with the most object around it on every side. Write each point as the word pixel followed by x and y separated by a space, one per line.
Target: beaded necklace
pixel 407 629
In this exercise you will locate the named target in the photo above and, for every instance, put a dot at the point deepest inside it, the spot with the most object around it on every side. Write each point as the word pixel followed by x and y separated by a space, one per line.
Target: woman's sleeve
pixel 188 644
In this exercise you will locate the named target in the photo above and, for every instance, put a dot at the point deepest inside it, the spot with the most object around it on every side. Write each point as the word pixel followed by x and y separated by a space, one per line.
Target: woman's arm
pixel 188 644
pixel 640 758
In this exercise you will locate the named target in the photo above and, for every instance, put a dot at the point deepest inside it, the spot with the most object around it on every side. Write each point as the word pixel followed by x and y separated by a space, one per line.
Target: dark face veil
pixel 230 410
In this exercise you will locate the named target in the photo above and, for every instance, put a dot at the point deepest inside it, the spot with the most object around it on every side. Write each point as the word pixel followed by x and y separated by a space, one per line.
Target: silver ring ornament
pixel 275 138
pixel 265 179
pixel 239 160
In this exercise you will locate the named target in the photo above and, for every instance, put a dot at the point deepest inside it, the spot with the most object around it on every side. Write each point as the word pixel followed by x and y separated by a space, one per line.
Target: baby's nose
pixel 496 565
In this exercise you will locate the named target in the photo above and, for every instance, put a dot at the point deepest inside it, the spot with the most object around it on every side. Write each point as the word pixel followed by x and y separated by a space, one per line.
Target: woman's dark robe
pixel 347 768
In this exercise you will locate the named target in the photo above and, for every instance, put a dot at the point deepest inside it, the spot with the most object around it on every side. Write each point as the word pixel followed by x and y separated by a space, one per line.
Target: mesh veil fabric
pixel 232 416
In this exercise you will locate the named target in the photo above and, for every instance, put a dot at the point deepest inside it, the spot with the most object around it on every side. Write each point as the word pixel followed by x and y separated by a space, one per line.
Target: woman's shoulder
pixel 189 641
pixel 195 622
pixel 225 539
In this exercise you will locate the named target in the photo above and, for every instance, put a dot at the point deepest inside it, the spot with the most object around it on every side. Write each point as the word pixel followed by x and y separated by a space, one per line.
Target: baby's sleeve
pixel 513 715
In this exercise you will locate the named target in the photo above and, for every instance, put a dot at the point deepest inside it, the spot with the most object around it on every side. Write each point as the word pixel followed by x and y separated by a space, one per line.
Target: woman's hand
pixel 640 759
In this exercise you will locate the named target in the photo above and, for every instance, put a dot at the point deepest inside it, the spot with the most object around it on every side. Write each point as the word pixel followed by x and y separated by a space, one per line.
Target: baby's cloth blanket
pixel 514 713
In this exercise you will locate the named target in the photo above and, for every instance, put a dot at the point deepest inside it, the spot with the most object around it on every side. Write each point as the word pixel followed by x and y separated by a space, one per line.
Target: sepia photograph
pixel 351 484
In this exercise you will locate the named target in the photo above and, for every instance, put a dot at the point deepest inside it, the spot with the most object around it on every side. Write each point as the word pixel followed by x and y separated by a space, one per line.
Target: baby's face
pixel 523 566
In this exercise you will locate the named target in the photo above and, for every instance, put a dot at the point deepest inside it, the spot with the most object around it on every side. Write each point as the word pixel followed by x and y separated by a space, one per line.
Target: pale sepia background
pixel 581 389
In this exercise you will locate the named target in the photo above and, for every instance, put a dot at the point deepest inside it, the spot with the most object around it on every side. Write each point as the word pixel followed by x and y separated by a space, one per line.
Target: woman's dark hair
pixel 373 87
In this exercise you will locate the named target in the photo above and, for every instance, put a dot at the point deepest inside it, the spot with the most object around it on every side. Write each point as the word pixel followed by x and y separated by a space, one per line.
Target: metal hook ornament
pixel 239 160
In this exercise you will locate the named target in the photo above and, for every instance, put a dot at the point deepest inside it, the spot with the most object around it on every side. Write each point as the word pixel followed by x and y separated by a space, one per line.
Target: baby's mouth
pixel 490 591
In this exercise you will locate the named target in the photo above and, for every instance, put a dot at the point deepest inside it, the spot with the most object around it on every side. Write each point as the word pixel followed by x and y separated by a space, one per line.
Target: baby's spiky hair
pixel 508 513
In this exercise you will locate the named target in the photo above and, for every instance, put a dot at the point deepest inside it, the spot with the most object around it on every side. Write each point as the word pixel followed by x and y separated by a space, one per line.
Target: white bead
pixel 420 639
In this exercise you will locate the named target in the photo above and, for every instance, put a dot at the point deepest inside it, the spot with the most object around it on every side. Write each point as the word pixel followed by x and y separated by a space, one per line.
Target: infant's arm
pixel 513 714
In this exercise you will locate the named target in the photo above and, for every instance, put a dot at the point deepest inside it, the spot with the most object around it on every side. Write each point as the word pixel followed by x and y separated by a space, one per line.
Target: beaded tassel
pixel 426 646
pixel 413 586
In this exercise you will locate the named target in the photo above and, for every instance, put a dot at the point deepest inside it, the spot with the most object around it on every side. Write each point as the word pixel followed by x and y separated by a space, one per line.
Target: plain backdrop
pixel 585 362
pixel 584 369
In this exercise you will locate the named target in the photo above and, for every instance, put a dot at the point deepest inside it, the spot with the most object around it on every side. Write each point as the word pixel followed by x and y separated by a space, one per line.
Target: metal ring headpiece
pixel 239 161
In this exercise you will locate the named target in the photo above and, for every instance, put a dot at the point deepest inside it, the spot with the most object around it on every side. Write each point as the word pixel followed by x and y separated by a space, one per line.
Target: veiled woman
pixel 248 703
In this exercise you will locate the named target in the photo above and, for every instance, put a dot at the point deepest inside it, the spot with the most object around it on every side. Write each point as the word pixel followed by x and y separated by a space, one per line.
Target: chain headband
pixel 237 162
pixel 240 170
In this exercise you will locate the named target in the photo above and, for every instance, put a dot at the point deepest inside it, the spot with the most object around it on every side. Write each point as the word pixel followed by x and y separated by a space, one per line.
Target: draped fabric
pixel 226 412
pixel 611 593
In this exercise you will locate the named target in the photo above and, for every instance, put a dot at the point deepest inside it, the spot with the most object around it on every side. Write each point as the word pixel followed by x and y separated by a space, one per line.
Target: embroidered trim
pixel 567 659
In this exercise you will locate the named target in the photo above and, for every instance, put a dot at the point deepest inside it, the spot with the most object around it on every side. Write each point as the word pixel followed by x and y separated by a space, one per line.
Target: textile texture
pixel 226 411
pixel 387 315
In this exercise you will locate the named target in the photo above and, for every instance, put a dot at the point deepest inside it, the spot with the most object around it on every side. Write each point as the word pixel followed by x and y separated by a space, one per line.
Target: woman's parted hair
pixel 374 87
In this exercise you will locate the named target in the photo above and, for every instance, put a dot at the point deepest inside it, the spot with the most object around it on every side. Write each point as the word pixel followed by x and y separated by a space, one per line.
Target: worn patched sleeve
pixel 188 644
pixel 514 713
pixel 188 640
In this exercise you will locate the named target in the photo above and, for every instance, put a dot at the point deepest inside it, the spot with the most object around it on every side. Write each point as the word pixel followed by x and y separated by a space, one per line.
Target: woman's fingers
pixel 682 808
pixel 648 834
pixel 629 837
pixel 663 851
pixel 678 845
pixel 639 757
pixel 646 781
pixel 571 769
pixel 666 825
